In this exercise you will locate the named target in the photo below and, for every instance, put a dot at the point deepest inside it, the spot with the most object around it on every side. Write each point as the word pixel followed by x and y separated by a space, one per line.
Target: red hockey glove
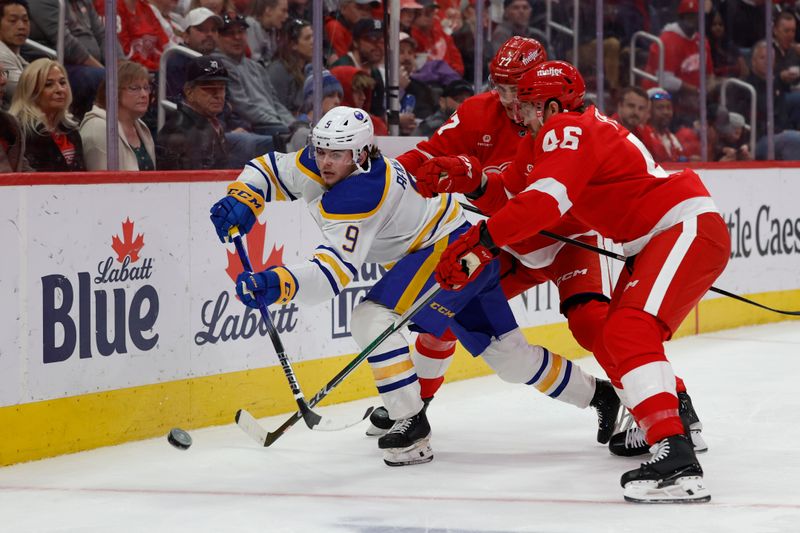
pixel 461 173
pixel 466 257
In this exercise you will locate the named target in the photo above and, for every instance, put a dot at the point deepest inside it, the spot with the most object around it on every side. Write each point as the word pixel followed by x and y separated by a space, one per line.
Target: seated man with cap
pixel 250 90
pixel 193 138
pixel 454 93
pixel 366 53
pixel 201 30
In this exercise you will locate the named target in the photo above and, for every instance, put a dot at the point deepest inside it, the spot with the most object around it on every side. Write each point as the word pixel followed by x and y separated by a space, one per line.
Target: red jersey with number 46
pixel 592 167
pixel 481 128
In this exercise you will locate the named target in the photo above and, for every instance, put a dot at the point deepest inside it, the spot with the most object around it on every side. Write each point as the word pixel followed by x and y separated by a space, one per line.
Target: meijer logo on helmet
pixel 551 71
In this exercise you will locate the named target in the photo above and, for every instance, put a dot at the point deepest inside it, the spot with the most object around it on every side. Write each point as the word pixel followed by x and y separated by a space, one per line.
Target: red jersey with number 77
pixel 592 167
pixel 481 128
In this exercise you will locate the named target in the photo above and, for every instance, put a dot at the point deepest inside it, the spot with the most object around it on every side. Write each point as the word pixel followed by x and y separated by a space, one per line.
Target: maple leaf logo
pixel 254 242
pixel 127 246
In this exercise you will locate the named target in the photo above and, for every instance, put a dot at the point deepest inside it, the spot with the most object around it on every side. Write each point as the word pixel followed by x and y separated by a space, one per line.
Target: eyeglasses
pixel 138 88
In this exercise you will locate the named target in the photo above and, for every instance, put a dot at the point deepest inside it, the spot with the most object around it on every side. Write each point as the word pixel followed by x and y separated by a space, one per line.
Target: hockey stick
pixel 312 419
pixel 619 257
pixel 250 425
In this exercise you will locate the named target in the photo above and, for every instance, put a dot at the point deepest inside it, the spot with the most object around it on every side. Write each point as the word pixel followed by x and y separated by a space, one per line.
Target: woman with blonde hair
pixel 40 104
pixel 136 146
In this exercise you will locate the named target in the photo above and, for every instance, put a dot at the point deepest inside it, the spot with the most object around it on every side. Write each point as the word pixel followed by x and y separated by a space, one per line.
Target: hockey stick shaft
pixel 311 418
pixel 619 257
pixel 422 303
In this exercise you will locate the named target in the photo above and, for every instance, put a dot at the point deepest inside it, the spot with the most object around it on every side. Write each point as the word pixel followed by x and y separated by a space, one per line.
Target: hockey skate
pixel 607 403
pixel 379 420
pixel 673 475
pixel 408 442
pixel 630 441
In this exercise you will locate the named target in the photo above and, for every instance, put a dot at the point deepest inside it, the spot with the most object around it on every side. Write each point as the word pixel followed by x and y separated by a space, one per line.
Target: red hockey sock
pixel 586 321
pixel 432 358
pixel 658 417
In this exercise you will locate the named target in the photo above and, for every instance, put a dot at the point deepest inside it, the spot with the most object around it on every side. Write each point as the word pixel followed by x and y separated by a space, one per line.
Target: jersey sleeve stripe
pixel 555 189
pixel 344 279
pixel 421 277
pixel 308 172
pixel 328 275
pixel 339 257
pixel 268 192
pixel 280 195
pixel 444 202
pixel 278 176
pixel 359 216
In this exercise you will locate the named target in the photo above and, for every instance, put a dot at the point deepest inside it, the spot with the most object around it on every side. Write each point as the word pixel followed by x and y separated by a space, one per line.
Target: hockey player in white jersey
pixel 368 211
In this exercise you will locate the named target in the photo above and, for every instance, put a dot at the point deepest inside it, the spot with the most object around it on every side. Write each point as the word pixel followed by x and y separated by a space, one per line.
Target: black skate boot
pixel 408 442
pixel 607 403
pixel 673 475
pixel 380 422
pixel 631 442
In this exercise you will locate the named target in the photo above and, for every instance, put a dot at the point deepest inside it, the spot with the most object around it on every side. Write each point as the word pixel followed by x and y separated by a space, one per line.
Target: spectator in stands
pixel 193 138
pixel 84 40
pixel 731 143
pixel 332 94
pixel 727 58
pixel 516 21
pixel 136 147
pixel 682 62
pixel 409 9
pixel 141 34
pixel 358 91
pixel 263 35
pixel 425 103
pixel 787 60
pixel 464 38
pixel 339 26
pixel 787 141
pixel 202 30
pixel 250 89
pixel 219 7
pixel 633 109
pixel 454 94
pixel 431 39
pixel 745 21
pixel 287 71
pixel 12 140
pixel 300 9
pixel 41 105
pixel 658 137
pixel 15 27
pixel 366 53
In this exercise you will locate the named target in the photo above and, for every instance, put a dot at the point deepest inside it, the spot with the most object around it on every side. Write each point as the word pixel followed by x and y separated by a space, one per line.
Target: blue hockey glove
pixel 274 285
pixel 239 208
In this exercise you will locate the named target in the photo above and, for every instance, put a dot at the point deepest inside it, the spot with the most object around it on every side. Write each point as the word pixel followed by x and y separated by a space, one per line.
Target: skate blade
pixel 418 453
pixel 375 431
pixel 687 489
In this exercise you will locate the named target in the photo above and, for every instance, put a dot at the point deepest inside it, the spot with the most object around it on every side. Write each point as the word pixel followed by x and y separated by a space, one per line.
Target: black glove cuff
pixel 486 239
pixel 477 193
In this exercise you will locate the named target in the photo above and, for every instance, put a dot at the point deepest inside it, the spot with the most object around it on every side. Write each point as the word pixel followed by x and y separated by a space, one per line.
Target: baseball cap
pixel 687 6
pixel 458 88
pixel 205 68
pixel 410 4
pixel 373 3
pixel 658 93
pixel 368 28
pixel 231 19
pixel 199 15
pixel 406 37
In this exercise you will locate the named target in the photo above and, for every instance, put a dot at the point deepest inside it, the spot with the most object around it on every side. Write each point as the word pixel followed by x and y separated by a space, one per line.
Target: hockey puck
pixel 179 438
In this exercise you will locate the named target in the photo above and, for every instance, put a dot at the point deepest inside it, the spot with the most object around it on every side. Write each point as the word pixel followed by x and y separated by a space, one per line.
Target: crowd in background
pixel 249 90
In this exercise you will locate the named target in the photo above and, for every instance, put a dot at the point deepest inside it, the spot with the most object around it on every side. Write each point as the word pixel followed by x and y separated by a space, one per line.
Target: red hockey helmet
pixel 514 58
pixel 557 80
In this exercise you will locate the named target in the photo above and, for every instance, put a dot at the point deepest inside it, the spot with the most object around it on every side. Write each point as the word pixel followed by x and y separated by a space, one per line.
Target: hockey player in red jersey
pixel 673 234
pixel 488 129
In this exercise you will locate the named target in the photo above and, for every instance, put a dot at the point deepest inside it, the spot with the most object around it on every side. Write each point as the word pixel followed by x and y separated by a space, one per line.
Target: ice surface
pixel 506 459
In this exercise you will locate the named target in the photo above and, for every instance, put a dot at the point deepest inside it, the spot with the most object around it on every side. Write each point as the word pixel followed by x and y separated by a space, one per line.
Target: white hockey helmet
pixel 344 128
